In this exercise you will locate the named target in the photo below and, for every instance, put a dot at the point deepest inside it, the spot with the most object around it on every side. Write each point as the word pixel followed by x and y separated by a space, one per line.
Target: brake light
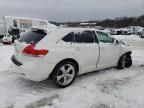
pixel 29 50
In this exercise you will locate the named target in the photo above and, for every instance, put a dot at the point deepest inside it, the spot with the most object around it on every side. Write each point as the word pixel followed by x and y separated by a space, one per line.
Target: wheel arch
pixel 64 60
pixel 126 53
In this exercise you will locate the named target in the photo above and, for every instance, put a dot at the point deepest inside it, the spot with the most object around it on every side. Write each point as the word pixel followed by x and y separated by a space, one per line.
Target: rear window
pixel 34 35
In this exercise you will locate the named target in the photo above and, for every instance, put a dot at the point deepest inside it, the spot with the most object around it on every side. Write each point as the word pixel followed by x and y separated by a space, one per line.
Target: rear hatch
pixel 28 40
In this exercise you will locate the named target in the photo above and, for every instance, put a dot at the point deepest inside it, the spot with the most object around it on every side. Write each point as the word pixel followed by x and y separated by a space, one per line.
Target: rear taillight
pixel 29 50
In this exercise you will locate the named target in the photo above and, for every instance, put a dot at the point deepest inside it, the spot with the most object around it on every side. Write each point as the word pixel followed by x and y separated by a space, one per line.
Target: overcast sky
pixel 72 10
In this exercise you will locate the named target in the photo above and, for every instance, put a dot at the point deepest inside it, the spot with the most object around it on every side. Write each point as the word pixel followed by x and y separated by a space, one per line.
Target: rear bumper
pixel 33 70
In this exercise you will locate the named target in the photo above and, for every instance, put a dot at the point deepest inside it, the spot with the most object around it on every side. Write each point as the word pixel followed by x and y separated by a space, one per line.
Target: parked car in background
pixel 11 27
pixel 113 31
pixel 64 53
pixel 135 29
pixel 119 31
pixel 107 30
pixel 141 33
pixel 127 31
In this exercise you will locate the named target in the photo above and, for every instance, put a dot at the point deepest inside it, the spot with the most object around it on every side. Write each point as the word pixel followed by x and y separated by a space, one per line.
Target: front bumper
pixel 33 70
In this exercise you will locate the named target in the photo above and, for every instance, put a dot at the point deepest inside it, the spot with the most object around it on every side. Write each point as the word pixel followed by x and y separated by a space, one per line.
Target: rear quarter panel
pixel 57 52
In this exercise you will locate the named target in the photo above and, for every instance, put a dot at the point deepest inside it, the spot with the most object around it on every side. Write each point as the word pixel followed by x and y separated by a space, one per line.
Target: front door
pixel 109 51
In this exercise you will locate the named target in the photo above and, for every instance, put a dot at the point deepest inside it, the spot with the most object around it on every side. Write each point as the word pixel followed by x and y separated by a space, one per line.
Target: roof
pixel 76 28
pixel 65 30
pixel 55 35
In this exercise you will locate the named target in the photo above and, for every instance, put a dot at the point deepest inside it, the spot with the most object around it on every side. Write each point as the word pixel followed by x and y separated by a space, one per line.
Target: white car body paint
pixel 87 56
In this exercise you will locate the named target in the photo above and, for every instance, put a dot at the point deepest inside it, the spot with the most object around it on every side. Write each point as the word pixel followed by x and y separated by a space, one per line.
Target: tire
pixel 122 62
pixel 64 74
pixel 128 61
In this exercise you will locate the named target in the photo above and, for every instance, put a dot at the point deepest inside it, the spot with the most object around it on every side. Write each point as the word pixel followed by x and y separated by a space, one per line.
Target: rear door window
pixel 84 37
pixel 34 35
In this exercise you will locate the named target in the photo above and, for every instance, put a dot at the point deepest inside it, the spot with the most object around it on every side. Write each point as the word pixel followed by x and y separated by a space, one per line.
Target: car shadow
pixel 98 72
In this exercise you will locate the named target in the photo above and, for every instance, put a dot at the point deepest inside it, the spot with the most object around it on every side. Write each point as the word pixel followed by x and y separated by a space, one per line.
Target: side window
pixel 68 37
pixel 103 37
pixel 84 37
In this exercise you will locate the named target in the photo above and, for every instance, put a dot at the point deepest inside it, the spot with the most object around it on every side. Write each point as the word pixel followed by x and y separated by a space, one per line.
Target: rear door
pixel 109 51
pixel 86 50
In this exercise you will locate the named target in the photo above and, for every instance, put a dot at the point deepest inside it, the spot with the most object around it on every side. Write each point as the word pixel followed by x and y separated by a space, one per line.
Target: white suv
pixel 64 53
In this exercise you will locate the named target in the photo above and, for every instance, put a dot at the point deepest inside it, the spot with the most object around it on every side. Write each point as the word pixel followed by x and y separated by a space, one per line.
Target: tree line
pixel 118 22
